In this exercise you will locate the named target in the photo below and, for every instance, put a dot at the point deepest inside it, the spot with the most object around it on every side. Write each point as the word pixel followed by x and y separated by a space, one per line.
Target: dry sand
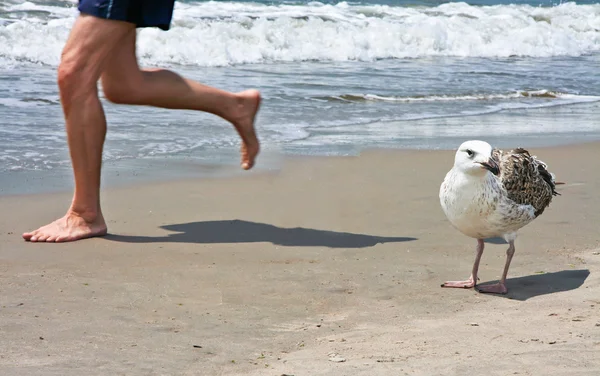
pixel 330 267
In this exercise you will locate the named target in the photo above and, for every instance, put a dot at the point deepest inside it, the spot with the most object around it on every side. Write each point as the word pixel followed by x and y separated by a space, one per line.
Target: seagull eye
pixel 470 153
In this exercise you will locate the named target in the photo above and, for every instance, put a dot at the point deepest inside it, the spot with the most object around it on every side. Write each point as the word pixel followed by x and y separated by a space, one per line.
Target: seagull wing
pixel 526 179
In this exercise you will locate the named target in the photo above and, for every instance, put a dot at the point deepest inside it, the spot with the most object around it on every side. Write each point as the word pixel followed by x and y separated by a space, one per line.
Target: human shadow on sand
pixel 523 288
pixel 239 231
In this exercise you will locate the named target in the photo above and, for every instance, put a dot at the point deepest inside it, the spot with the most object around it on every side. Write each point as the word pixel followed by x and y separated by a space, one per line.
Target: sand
pixel 330 266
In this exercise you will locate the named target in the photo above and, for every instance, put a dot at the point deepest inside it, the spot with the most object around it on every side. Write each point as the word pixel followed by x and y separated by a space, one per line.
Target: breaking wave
pixel 229 33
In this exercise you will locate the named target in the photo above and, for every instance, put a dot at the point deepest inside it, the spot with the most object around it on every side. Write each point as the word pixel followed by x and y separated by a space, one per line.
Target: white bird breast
pixel 478 207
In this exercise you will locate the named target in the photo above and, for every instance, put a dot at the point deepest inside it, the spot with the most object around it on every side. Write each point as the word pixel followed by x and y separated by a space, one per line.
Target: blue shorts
pixel 142 13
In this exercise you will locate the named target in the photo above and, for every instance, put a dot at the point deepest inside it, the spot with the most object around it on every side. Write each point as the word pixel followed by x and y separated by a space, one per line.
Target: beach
pixel 323 266
pixel 327 257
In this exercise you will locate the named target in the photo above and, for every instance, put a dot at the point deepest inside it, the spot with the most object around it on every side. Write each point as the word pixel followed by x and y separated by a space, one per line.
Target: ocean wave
pixel 541 94
pixel 230 33
pixel 29 102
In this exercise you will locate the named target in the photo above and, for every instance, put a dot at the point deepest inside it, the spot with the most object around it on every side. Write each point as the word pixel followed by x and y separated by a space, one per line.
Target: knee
pixel 75 78
pixel 121 92
pixel 69 77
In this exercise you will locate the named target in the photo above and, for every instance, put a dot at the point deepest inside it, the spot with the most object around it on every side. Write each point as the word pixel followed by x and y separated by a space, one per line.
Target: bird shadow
pixel 240 231
pixel 497 240
pixel 523 288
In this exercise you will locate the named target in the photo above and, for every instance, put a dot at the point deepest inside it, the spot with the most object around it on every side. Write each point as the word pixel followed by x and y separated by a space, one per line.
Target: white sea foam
pixel 220 33
pixel 557 98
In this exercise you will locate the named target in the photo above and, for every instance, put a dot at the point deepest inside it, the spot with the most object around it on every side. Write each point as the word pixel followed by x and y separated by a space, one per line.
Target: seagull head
pixel 474 157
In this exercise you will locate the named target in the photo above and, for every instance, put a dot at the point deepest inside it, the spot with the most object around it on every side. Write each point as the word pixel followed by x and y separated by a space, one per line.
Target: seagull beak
pixel 491 166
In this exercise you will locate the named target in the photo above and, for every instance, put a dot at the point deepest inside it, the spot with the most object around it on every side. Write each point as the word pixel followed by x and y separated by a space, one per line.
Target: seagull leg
pixel 500 287
pixel 472 281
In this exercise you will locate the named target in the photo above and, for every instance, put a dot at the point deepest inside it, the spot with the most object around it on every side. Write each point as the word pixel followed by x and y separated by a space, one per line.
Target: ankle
pixel 87 214
pixel 232 109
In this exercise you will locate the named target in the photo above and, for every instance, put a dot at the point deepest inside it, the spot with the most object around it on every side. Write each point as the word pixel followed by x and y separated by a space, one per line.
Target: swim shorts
pixel 142 13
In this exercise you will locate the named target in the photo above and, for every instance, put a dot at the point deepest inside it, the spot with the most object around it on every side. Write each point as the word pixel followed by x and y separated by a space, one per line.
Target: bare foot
pixel 460 284
pixel 496 288
pixel 69 228
pixel 248 105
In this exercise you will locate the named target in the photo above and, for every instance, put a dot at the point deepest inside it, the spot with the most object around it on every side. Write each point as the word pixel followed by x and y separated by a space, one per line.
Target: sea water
pixel 336 77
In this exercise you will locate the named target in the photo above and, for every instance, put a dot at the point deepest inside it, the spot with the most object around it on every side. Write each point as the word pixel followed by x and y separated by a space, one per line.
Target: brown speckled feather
pixel 525 178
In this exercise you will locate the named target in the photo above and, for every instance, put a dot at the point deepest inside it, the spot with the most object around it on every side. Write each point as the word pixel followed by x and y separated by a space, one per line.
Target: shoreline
pixel 140 172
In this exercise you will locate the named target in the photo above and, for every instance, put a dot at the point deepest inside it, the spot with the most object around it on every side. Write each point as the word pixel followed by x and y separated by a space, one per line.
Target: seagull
pixel 491 193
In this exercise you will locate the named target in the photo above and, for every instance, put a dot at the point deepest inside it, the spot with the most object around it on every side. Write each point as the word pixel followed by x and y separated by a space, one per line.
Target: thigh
pixel 91 42
pixel 121 70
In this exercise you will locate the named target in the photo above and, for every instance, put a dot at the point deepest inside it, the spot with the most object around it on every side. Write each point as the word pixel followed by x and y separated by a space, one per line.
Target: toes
pixel 29 235
pixel 247 163
pixel 42 237
pixel 36 236
pixel 60 239
pixel 459 284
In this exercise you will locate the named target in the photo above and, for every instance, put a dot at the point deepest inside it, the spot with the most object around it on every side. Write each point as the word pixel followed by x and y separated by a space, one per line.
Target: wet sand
pixel 331 266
